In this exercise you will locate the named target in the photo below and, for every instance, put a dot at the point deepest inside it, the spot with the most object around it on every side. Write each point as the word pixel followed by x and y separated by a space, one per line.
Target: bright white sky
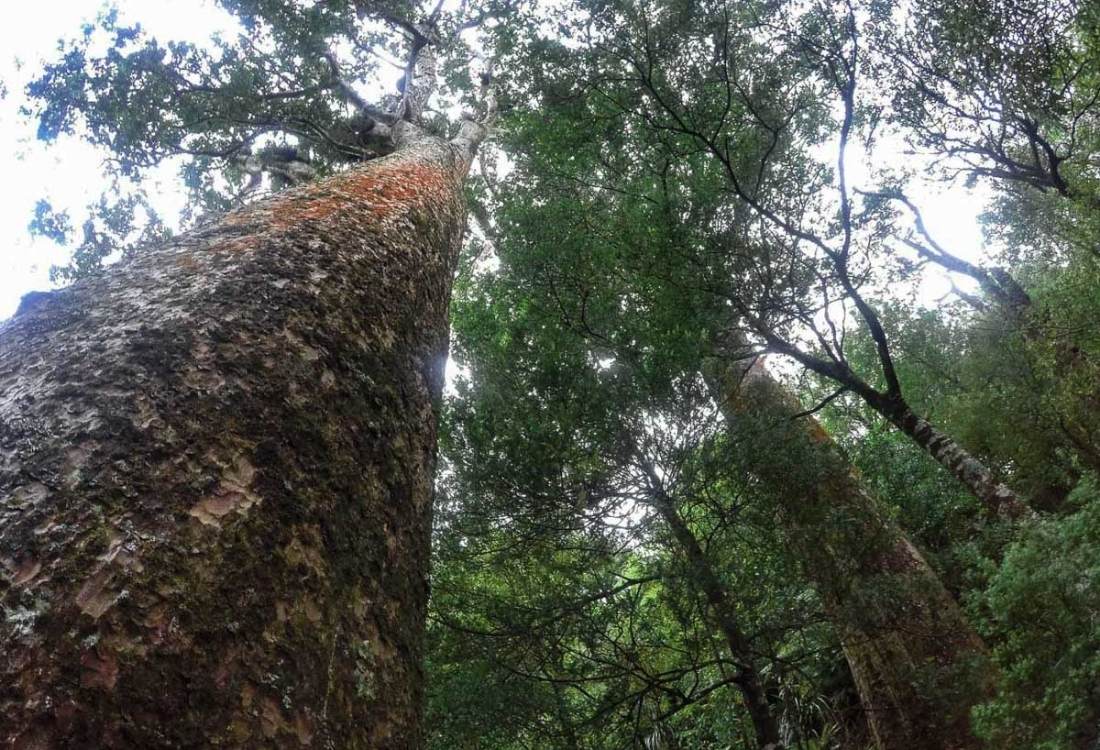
pixel 69 172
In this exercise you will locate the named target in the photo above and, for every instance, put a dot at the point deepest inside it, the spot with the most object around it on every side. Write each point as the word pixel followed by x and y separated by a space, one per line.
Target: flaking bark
pixel 216 475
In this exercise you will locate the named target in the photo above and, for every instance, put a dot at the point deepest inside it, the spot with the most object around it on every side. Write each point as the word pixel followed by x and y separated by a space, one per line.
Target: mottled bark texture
pixel 216 475
pixel 917 663
pixel 993 494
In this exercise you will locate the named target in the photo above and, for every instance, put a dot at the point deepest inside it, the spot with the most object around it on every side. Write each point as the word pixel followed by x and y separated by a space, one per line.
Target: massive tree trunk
pixel 216 475
pixel 918 665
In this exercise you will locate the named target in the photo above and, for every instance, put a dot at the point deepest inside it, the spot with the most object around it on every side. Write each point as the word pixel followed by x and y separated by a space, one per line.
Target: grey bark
pixel 993 493
pixel 997 497
pixel 216 475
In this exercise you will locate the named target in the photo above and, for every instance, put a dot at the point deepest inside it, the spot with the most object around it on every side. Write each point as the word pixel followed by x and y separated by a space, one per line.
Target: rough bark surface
pixel 216 476
pixel 917 663
pixel 994 494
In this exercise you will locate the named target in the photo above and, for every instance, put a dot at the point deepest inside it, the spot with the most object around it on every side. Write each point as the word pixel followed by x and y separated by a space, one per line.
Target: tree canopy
pixel 628 551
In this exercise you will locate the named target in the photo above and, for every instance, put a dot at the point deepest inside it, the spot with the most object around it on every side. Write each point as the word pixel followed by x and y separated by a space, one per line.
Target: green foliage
pixel 114 228
pixel 663 184
pixel 568 369
pixel 51 224
pixel 1040 610
pixel 617 246
pixel 297 90
pixel 1004 90
pixel 145 99
pixel 1031 591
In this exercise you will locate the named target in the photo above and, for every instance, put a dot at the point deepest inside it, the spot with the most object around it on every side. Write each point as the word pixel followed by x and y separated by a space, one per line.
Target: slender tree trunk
pixel 216 475
pixel 997 497
pixel 992 493
pixel 974 475
pixel 747 678
pixel 918 665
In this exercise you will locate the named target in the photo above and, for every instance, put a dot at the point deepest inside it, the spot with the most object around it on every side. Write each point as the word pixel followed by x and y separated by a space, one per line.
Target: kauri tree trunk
pixel 918 665
pixel 216 475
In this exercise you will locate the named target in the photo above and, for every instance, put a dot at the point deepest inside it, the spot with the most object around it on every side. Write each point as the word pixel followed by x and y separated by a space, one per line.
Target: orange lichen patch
pixel 381 191
pixel 238 245
pixel 188 263
pixel 237 216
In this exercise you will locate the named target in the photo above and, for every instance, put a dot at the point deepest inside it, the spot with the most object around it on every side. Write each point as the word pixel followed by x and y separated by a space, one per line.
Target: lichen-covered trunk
pixel 917 663
pixel 995 495
pixel 747 678
pixel 216 476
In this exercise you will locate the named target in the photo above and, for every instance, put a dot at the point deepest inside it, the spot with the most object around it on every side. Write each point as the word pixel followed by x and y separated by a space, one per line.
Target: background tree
pixel 566 566
pixel 643 322
pixel 646 171
pixel 1005 91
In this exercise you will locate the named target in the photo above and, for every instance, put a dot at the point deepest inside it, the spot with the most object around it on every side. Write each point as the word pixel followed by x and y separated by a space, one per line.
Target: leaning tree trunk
pixel 995 495
pixel 747 677
pixel 918 665
pixel 216 475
